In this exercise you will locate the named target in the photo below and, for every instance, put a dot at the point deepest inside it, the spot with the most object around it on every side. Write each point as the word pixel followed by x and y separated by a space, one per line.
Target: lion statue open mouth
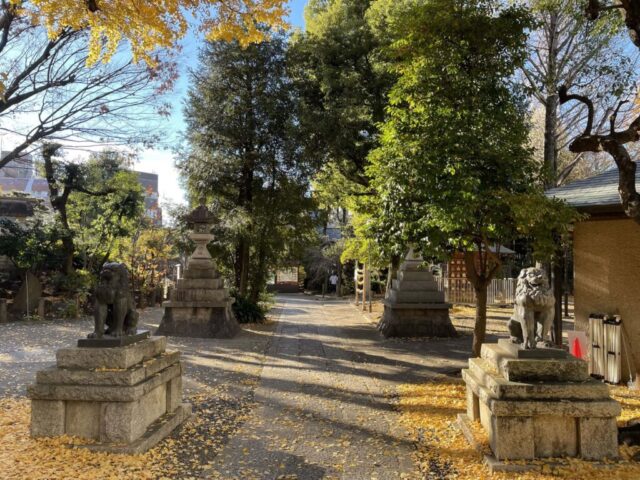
pixel 114 308
pixel 533 310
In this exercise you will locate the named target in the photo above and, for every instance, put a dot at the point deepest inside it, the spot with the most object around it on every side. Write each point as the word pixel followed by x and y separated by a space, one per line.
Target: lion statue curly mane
pixel 114 311
pixel 533 311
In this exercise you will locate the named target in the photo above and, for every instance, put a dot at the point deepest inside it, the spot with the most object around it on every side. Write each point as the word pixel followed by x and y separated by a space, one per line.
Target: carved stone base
pixel 198 319
pixel 113 396
pixel 540 408
pixel 416 320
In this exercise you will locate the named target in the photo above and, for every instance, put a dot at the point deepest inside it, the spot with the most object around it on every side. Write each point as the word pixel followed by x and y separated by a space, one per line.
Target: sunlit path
pixel 325 400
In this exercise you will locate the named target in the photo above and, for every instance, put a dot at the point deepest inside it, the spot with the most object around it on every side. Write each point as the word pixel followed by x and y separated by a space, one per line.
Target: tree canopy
pixel 148 25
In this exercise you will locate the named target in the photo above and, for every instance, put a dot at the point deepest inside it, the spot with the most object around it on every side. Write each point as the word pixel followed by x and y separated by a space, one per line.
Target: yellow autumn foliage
pixel 152 24
pixel 429 412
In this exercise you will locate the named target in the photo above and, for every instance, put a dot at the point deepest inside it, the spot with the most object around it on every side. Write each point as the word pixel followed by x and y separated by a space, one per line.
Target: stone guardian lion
pixel 114 308
pixel 533 311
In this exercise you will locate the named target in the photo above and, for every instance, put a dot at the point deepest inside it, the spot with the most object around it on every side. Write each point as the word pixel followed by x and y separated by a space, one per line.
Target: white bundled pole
pixel 597 357
pixel 613 347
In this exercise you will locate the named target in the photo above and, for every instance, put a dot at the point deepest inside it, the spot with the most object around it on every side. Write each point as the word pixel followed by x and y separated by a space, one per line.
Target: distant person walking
pixel 333 282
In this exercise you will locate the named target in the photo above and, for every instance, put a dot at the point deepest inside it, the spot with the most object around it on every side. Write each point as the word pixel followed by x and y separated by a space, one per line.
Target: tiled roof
pixel 594 192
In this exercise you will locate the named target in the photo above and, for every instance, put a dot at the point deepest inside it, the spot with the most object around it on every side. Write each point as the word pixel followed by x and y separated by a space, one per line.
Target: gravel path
pixel 325 401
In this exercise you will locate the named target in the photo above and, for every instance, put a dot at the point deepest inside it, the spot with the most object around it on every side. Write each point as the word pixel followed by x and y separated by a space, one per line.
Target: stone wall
pixel 607 275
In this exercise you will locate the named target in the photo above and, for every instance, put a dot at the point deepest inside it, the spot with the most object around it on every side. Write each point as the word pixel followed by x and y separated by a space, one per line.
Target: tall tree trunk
pixel 551 104
pixel 480 327
pixel 242 269
pixel 550 140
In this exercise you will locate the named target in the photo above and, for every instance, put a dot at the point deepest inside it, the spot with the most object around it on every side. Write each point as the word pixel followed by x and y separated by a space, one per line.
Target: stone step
pixel 420 275
pixel 410 285
pixel 500 388
pixel 400 296
pixel 115 357
pixel 188 283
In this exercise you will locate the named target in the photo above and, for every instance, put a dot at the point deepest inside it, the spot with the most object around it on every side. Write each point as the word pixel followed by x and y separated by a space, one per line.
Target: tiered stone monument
pixel 199 306
pixel 118 388
pixel 534 401
pixel 414 307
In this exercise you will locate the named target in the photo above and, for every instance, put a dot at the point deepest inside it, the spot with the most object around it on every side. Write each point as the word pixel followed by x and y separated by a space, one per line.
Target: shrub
pixel 247 311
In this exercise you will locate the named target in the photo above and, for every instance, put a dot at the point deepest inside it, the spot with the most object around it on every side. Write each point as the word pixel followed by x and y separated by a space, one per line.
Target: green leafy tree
pixel 453 159
pixel 30 244
pixel 95 202
pixel 342 81
pixel 245 158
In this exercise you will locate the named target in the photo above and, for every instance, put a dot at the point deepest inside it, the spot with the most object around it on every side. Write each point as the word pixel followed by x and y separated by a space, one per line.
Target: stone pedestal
pixel 200 306
pixel 540 407
pixel 414 306
pixel 125 399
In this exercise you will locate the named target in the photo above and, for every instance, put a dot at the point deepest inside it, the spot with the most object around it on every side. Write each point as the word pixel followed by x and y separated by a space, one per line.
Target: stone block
pixel 414 275
pixel 555 436
pixel 129 377
pixel 512 438
pixel 119 422
pixel 408 320
pixel 189 319
pixel 500 388
pixel 415 296
pixel 120 357
pixel 102 393
pixel 174 394
pixel 196 271
pixel 569 408
pixel 568 369
pixel 598 438
pixel 414 285
pixel 47 418
pixel 201 295
pixel 82 419
pixel 473 405
pixel 551 370
pixel 186 283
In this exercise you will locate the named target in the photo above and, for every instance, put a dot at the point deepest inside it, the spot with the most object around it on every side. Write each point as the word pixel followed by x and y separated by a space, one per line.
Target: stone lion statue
pixel 114 308
pixel 533 311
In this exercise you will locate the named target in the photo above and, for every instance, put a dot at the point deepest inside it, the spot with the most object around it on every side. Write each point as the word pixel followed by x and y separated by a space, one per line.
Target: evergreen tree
pixel 245 157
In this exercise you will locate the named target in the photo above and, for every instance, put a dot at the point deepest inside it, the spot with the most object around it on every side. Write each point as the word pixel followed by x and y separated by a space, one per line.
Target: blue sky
pixel 161 160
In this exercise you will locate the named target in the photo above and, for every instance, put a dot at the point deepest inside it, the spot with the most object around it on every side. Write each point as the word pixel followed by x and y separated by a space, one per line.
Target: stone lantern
pixel 200 306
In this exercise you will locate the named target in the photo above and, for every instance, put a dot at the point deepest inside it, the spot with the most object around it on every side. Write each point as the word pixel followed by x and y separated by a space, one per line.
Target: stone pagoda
pixel 199 306
pixel 414 307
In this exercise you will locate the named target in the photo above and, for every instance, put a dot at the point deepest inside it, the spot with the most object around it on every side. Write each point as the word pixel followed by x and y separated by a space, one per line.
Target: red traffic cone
pixel 576 349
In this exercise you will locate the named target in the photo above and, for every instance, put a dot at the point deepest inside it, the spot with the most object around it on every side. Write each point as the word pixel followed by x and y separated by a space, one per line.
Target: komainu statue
pixel 114 308
pixel 533 311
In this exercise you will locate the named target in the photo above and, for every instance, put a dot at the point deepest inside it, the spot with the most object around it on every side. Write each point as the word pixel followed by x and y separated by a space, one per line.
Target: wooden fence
pixel 501 291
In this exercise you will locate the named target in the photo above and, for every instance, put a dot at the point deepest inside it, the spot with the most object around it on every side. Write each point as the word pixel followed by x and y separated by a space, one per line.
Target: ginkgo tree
pixel 151 24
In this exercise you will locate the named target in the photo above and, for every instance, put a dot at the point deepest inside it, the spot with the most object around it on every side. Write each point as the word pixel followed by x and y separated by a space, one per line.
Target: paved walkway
pixel 313 399
pixel 325 398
